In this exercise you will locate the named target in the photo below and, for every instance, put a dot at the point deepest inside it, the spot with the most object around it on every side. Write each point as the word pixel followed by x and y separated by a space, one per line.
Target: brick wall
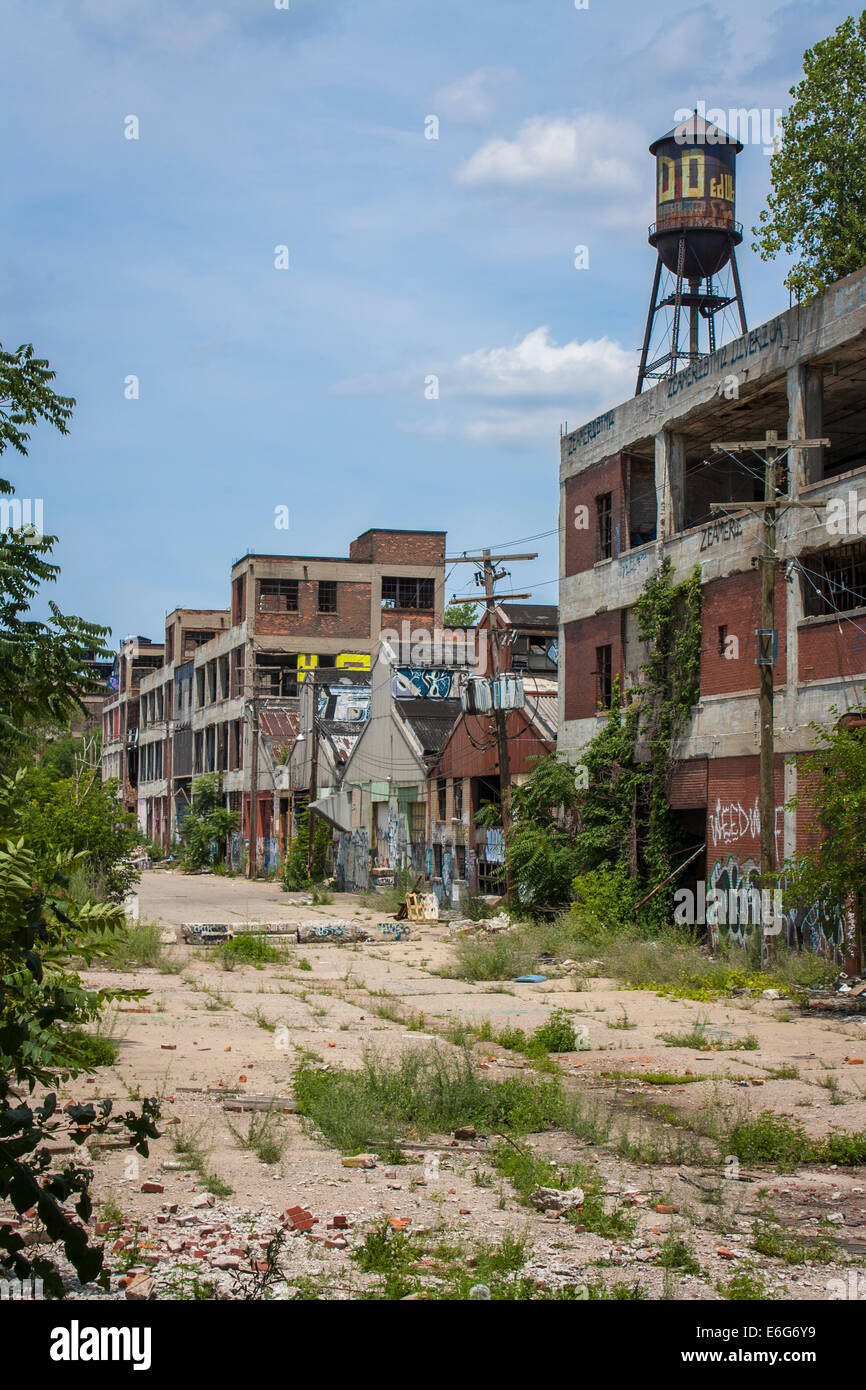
pixel 733 821
pixel 352 618
pixel 423 548
pixel 836 647
pixel 581 640
pixel 581 543
pixel 735 602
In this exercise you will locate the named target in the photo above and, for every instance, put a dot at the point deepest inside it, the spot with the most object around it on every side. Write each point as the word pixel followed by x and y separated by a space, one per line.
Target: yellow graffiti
pixel 693 174
pixel 667 176
pixel 723 187
pixel 346 661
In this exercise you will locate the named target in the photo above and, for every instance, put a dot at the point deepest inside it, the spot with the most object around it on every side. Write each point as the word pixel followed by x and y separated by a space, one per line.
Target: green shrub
pixel 430 1091
pixel 247 948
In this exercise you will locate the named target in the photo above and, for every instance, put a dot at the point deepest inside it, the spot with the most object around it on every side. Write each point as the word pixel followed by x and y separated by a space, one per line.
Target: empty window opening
pixel 327 596
pixel 407 593
pixel 604 675
pixel 604 512
pixel 278 595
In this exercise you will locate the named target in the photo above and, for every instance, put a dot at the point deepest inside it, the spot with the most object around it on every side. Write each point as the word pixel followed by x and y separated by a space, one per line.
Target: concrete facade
pixel 643 482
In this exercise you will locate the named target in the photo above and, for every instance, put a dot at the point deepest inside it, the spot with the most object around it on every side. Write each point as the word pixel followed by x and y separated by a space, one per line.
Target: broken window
pixel 327 596
pixel 417 822
pixel 238 656
pixel 277 674
pixel 238 597
pixel 458 798
pixel 604 675
pixel 835 581
pixel 193 640
pixel 278 595
pixel 604 514
pixel 407 593
pixel 441 797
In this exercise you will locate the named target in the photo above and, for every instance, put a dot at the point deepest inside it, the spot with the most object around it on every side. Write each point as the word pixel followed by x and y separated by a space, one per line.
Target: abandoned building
pixel 193 704
pixel 646 481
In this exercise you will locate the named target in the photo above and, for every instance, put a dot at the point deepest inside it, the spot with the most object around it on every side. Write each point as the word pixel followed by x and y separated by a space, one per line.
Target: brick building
pixel 223 677
pixel 643 481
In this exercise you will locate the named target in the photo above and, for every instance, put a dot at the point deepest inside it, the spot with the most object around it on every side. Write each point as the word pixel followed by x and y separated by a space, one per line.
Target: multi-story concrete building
pixel 226 677
pixel 643 481
pixel 120 723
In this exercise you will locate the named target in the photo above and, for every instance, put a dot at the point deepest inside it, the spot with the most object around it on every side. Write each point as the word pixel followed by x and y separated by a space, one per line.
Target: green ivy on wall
pixel 625 816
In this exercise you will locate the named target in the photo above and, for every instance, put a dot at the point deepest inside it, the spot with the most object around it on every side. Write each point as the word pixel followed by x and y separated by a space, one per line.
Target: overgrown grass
pixel 430 1267
pixel 675 961
pixel 527 1171
pixel 189 1145
pixel 265 1136
pixel 431 1091
pixel 783 1142
pixel 140 946
pixel 500 957
pixel 248 948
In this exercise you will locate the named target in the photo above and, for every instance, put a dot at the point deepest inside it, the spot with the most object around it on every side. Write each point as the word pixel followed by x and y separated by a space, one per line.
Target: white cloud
pixel 580 154
pixel 539 368
pixel 515 395
pixel 472 98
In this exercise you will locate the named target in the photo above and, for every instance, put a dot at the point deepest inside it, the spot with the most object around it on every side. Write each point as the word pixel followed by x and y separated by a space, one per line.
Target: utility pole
pixel 252 866
pixel 768 639
pixel 773 450
pixel 314 771
pixel 490 575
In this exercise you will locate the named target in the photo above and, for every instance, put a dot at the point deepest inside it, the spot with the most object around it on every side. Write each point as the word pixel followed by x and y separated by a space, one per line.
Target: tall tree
pixel 43 663
pixel 816 209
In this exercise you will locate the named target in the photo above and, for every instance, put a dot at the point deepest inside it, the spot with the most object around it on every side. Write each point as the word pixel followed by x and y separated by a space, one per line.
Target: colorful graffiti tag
pixel 819 927
pixel 420 682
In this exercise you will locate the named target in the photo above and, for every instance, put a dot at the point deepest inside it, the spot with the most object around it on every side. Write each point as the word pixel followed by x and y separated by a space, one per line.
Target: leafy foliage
pixel 460 614
pixel 295 872
pixel 84 816
pixel 832 870
pixel 43 1003
pixel 816 210
pixel 44 926
pixel 541 847
pixel 207 824
pixel 43 670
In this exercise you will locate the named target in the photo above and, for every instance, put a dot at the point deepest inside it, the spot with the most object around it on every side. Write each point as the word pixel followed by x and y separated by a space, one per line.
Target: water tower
pixel 695 235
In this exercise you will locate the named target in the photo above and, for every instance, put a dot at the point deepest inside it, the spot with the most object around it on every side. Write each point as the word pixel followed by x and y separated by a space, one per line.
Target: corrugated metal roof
pixel 279 724
pixel 543 710
pixel 431 721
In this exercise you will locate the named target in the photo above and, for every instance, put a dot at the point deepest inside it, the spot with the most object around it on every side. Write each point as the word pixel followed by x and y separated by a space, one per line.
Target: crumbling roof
pixel 431 721
pixel 541 616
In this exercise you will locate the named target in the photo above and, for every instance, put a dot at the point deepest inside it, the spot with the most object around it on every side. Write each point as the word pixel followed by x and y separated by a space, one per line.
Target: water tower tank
pixel 696 185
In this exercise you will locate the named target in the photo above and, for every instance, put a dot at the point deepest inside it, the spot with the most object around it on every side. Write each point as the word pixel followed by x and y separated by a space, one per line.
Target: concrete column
pixel 805 421
pixel 670 467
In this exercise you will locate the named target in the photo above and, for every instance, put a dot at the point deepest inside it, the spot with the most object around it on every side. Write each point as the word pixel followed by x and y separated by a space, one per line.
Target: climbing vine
pixel 625 816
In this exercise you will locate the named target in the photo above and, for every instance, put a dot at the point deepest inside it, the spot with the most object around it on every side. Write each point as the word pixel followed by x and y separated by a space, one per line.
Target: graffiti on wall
pixel 349 704
pixel 421 682
pixel 819 926
pixel 353 861
pixel 346 661
pixel 731 821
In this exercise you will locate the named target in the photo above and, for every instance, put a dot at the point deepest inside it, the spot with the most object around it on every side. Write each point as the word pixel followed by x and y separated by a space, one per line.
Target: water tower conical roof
pixel 694 131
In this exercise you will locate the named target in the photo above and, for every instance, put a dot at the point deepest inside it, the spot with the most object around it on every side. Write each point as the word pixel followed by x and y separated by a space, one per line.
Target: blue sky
pixel 409 258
